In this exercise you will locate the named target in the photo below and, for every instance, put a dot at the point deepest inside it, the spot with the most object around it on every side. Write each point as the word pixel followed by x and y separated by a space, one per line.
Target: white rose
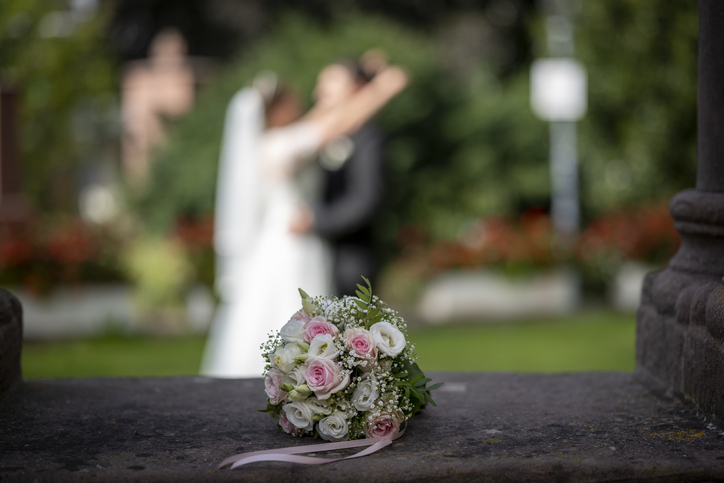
pixel 334 427
pixel 284 357
pixel 317 406
pixel 323 347
pixel 300 415
pixel 365 394
pixel 293 331
pixel 388 338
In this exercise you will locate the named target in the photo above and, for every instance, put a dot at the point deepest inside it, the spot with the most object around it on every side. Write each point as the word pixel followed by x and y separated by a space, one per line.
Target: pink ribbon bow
pixel 292 454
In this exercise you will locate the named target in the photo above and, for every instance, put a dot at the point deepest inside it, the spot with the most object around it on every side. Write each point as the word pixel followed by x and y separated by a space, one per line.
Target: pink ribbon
pixel 291 454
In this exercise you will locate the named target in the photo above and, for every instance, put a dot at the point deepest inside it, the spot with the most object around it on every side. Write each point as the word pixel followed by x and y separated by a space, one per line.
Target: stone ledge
pixel 487 427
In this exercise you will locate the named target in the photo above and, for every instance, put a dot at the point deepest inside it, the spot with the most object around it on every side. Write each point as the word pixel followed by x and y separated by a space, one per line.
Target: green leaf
pixel 422 382
pixel 435 386
pixel 361 296
pixel 416 378
pixel 412 368
pixel 360 304
pixel 417 394
pixel 364 290
pixel 429 398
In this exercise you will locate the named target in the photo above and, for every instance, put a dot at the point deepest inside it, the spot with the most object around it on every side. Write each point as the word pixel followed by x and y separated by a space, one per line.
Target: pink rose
pixel 319 326
pixel 324 378
pixel 287 427
pixel 271 386
pixel 385 425
pixel 301 315
pixel 361 342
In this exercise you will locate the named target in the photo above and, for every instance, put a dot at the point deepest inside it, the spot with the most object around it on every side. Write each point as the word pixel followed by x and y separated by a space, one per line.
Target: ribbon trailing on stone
pixel 292 454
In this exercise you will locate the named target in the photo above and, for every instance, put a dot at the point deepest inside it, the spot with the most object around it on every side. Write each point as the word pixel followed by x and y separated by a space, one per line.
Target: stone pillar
pixel 680 322
pixel 14 207
pixel 11 340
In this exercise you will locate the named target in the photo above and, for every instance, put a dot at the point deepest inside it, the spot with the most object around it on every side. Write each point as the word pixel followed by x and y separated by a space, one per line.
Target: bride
pixel 264 176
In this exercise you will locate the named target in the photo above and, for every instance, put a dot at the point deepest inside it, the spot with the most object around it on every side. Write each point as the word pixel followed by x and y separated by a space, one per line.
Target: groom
pixel 353 185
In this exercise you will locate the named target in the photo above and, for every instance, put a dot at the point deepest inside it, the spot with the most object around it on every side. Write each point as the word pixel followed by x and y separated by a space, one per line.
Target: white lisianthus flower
pixel 365 394
pixel 293 331
pixel 323 347
pixel 295 377
pixel 284 357
pixel 334 427
pixel 317 406
pixel 390 341
pixel 300 415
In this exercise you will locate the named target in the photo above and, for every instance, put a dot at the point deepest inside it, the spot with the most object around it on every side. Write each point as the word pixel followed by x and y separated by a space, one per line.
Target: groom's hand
pixel 302 222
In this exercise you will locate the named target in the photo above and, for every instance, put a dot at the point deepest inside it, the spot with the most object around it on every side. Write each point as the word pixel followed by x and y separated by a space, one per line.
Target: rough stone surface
pixel 487 427
pixel 679 337
pixel 11 340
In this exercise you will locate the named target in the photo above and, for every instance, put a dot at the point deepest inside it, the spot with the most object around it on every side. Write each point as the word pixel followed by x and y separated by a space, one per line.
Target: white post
pixel 564 180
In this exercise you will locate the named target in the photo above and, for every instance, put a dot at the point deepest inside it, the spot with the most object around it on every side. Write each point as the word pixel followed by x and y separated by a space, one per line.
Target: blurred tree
pixel 638 141
pixel 463 142
pixel 58 60
pixel 460 146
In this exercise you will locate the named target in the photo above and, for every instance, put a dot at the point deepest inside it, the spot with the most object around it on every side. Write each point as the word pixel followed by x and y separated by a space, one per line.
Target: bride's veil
pixel 237 200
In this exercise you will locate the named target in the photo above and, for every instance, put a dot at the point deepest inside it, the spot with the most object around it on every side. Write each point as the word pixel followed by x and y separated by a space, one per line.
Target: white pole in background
pixel 558 95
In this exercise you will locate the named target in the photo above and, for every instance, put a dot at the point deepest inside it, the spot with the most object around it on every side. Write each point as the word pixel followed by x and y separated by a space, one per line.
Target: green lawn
pixel 590 341
pixel 595 341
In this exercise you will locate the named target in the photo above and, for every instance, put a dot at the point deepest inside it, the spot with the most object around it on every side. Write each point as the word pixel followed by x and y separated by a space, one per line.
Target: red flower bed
pixel 644 234
pixel 43 254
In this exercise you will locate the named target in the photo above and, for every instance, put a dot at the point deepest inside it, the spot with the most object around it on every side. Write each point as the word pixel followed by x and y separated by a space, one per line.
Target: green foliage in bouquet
pixel 343 369
pixel 412 380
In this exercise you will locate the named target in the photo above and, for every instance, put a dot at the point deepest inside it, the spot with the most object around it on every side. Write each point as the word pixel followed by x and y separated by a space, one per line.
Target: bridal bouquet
pixel 343 369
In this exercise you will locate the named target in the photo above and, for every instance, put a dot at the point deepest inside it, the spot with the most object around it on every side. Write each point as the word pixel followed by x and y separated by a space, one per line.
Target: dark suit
pixel 346 213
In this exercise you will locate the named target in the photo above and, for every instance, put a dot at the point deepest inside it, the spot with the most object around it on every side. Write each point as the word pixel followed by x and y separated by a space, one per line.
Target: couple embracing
pixel 295 202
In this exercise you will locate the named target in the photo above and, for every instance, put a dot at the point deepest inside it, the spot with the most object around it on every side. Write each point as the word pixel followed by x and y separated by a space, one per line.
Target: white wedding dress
pixel 260 263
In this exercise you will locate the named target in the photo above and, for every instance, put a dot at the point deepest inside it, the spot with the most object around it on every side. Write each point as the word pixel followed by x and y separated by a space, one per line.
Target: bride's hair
pixel 283 107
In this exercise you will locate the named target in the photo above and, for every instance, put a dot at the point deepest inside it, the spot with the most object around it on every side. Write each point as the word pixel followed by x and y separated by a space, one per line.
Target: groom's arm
pixel 364 178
